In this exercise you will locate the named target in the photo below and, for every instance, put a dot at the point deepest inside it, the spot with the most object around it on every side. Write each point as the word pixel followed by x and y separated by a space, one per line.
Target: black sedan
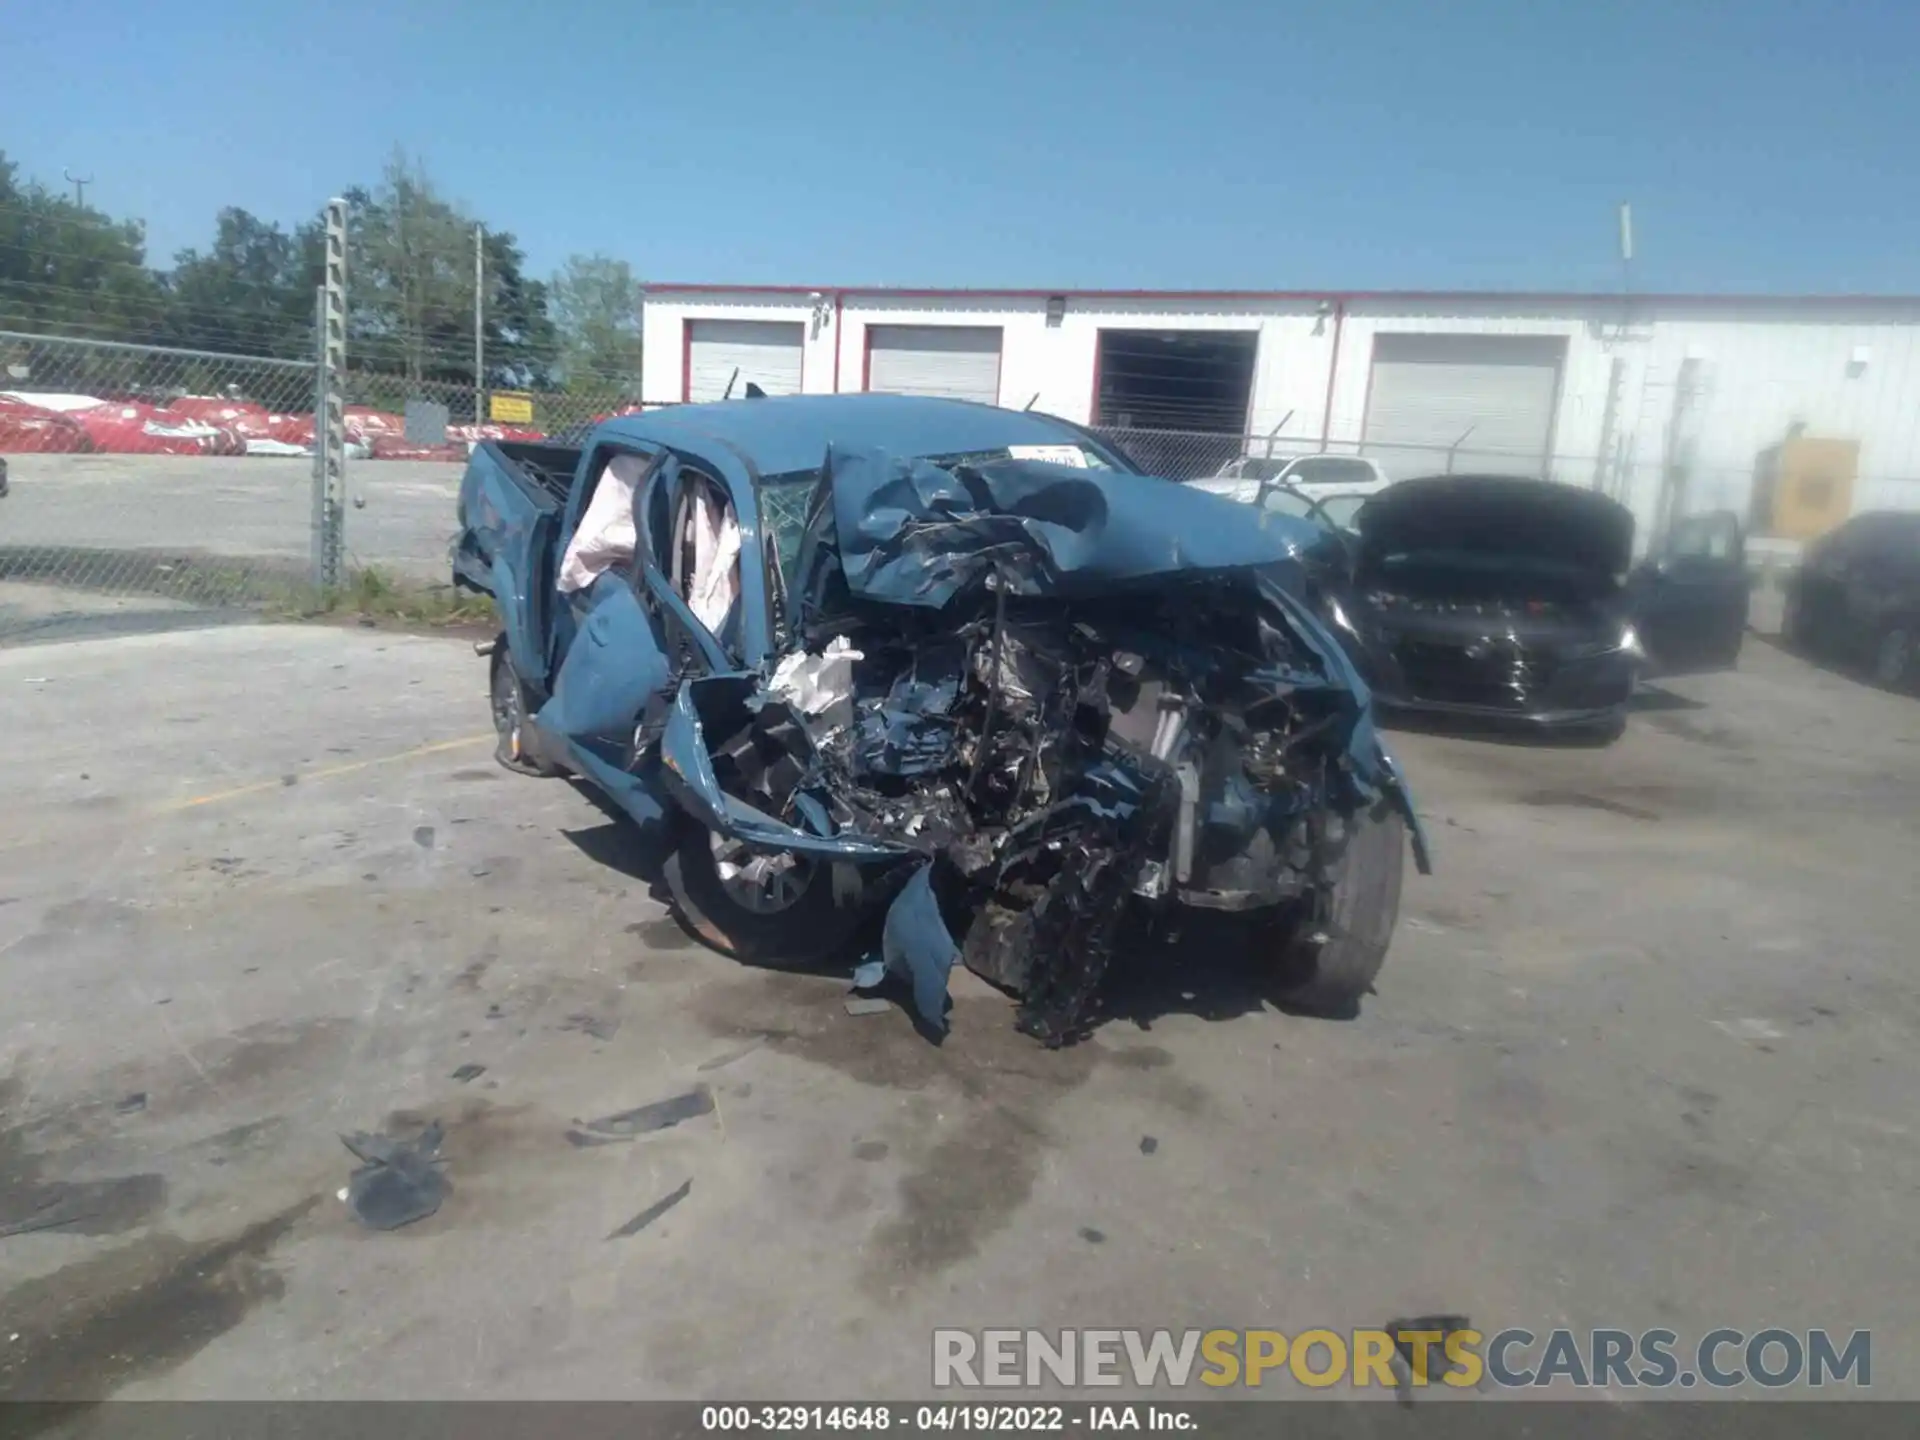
pixel 1856 597
pixel 1500 598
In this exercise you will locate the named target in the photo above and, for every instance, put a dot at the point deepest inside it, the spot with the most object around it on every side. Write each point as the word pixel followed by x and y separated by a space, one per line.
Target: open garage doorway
pixel 1195 382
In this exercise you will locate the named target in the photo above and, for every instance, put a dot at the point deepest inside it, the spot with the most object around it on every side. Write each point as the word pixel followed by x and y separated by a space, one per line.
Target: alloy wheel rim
pixel 765 884
pixel 506 710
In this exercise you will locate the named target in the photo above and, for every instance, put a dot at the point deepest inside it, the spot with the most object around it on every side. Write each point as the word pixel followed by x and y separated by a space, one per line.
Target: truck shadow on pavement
pixel 1206 969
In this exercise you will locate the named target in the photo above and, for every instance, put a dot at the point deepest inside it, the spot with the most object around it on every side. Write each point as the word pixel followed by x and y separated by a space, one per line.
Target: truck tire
pixel 1896 656
pixel 509 702
pixel 1324 970
pixel 802 929
pixel 1794 635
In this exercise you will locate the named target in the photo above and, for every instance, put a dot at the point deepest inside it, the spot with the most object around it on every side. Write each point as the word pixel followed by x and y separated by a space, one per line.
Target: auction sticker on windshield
pixel 1050 454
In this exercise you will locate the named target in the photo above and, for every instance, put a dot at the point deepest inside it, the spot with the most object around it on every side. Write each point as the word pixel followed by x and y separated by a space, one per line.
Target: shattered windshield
pixel 783 514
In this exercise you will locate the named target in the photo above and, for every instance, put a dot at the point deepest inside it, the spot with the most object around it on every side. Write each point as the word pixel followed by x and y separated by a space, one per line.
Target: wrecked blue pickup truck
pixel 929 682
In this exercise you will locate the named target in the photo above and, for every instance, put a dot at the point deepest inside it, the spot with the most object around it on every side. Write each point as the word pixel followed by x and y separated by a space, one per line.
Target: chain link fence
pixel 150 480
pixel 146 478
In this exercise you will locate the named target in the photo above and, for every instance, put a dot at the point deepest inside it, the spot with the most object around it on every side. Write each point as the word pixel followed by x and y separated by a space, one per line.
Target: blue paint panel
pixel 613 666
pixel 918 947
pixel 506 546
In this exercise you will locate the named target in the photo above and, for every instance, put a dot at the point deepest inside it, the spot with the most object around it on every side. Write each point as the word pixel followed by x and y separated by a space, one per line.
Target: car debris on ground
pixel 645 1120
pixel 399 1181
pixel 653 1212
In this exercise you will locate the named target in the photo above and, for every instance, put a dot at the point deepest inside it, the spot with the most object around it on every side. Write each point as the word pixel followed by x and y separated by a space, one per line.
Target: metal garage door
pixel 1498 391
pixel 765 352
pixel 961 362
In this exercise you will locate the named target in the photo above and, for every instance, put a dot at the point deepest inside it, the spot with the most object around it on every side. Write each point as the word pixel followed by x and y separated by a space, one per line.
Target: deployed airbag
pixel 605 537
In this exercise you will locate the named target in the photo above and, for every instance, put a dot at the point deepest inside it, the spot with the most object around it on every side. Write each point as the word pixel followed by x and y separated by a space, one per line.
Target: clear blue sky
pixel 1767 145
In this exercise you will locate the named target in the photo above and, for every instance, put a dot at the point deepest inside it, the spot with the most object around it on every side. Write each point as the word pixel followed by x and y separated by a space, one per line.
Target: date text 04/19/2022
pixel 980 1419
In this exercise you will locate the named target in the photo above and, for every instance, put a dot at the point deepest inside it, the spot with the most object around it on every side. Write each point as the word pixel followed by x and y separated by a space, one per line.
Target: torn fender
pixel 917 946
pixel 915 942
pixel 687 767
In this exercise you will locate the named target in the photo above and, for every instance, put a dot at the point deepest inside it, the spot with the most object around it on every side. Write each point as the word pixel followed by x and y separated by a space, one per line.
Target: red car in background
pixel 265 431
pixel 29 429
pixel 133 427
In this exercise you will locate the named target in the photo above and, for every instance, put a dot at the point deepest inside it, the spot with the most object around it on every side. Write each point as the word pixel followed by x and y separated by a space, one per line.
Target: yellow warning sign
pixel 510 409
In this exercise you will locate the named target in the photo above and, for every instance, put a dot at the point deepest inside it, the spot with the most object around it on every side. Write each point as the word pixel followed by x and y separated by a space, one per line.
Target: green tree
pixel 70 269
pixel 411 288
pixel 596 309
pixel 252 291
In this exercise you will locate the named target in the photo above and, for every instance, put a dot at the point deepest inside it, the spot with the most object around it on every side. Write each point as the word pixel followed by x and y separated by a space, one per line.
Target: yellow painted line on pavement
pixel 325 772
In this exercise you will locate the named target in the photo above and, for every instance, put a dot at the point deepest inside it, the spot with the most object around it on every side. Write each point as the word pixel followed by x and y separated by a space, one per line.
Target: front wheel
pixel 1326 967
pixel 769 909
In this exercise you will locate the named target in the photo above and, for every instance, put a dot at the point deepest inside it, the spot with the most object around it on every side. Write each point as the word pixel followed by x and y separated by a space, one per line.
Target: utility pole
pixel 1626 262
pixel 479 326
pixel 79 188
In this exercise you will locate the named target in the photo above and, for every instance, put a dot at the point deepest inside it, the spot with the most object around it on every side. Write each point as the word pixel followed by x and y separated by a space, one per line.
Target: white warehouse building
pixel 1673 404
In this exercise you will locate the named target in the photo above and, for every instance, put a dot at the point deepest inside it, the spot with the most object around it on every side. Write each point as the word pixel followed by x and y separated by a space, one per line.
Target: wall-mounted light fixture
pixel 1056 311
pixel 1320 314
pixel 822 311
pixel 1857 361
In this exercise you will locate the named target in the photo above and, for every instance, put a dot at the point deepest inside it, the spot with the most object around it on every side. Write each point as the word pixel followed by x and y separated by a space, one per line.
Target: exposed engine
pixel 1057 764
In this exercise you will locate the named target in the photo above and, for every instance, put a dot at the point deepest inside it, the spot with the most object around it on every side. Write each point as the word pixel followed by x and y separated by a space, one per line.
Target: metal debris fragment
pixel 1408 1352
pixel 399 1182
pixel 653 1212
pixel 721 1061
pixel 646 1120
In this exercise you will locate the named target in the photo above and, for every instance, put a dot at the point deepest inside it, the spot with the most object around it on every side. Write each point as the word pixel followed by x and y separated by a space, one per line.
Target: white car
pixel 1344 473
pixel 1333 487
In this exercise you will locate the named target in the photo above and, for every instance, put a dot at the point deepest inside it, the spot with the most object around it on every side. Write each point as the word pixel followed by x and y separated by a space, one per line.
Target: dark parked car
pixel 1856 596
pixel 1496 597
pixel 955 670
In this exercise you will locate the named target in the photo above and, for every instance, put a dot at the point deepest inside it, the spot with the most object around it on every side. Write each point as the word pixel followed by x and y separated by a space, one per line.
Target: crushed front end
pixel 1022 703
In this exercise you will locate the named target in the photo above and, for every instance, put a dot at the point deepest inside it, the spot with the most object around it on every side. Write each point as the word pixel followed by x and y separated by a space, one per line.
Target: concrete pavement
pixel 1644 1054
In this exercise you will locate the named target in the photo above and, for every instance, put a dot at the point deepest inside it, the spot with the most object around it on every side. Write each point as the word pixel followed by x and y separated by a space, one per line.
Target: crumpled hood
pixel 909 532
pixel 1499 515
